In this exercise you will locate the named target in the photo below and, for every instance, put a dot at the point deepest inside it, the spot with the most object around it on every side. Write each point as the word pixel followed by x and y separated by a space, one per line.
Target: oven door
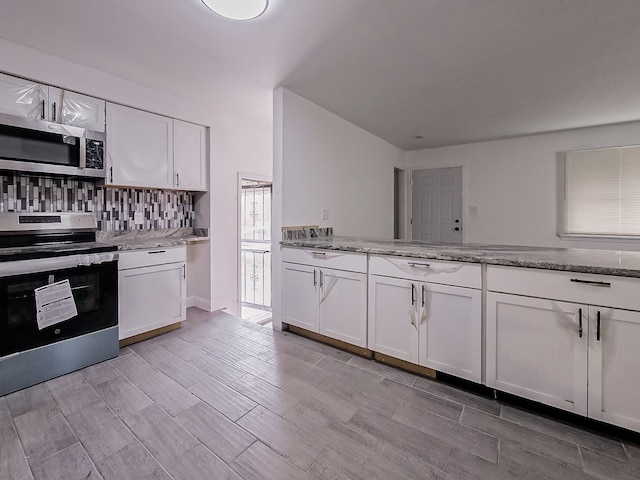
pixel 95 293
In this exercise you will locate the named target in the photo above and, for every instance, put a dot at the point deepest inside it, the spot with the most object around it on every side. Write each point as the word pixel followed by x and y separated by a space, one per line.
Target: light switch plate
pixel 324 214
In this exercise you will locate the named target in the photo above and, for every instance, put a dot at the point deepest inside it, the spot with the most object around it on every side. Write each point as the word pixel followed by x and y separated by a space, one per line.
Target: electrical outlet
pixel 138 218
pixel 324 214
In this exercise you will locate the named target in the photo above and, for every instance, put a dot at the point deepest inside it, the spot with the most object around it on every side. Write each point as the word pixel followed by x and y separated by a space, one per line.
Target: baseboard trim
pixel 363 352
pixel 403 364
pixel 150 334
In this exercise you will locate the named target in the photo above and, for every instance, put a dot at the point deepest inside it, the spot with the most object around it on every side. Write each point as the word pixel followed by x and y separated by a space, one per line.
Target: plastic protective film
pixel 424 272
pixel 22 100
pixel 24 267
pixel 329 286
pixel 75 111
pixel 563 318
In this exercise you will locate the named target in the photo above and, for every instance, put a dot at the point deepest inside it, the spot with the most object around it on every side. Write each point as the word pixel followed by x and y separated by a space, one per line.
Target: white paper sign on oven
pixel 54 304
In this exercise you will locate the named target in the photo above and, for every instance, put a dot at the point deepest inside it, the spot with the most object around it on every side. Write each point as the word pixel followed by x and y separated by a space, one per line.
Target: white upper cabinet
pixel 75 109
pixel 23 98
pixel 26 99
pixel 139 148
pixel 189 156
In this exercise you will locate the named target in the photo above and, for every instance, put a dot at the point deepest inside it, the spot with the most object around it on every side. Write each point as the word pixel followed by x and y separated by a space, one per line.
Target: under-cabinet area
pixel 557 336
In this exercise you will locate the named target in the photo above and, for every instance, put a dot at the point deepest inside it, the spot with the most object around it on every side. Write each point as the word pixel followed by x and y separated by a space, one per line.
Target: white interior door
pixel 437 205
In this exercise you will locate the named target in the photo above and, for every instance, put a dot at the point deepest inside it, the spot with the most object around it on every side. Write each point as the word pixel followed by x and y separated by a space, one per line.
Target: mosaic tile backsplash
pixel 115 208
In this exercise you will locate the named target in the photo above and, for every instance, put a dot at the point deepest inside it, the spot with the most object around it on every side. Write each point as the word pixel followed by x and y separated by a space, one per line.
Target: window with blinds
pixel 602 192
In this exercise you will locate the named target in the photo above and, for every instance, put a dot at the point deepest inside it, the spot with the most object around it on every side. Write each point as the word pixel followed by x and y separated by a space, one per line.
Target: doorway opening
pixel 255 249
pixel 399 204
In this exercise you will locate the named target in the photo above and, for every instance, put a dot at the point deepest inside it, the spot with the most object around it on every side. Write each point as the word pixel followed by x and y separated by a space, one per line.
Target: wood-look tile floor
pixel 223 398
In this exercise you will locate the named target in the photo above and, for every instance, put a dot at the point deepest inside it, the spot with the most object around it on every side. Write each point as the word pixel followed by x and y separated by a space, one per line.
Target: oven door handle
pixel 43 265
pixel 81 287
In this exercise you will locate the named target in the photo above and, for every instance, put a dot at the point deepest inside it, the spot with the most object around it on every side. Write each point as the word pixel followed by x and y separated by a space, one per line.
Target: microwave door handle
pixel 83 153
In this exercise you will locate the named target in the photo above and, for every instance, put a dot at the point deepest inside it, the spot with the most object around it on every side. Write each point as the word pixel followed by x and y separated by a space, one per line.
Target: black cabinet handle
pixel 111 173
pixel 592 282
pixel 321 279
pixel 413 294
pixel 177 179
pixel 43 109
pixel 157 251
pixel 417 265
pixel 423 295
pixel 580 322
pixel 315 282
pixel 598 326
pixel 53 113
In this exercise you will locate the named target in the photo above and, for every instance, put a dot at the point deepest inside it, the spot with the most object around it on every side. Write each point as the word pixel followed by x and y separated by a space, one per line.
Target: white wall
pixel 330 163
pixel 321 161
pixel 513 183
pixel 236 144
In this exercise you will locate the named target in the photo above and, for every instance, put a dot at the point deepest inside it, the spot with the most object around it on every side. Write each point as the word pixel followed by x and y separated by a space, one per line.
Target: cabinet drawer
pixel 425 270
pixel 603 290
pixel 152 256
pixel 355 262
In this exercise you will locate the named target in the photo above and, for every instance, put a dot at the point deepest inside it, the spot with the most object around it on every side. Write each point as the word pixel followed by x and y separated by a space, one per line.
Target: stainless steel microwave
pixel 51 148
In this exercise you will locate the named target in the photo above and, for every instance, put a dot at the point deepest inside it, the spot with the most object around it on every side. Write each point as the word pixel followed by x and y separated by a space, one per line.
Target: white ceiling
pixel 453 71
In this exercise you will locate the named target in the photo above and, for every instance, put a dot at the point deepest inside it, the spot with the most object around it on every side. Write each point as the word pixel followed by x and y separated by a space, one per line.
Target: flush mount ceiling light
pixel 238 9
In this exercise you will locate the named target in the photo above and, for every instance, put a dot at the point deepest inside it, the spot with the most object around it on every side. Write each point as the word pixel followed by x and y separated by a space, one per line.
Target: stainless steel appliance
pixel 28 145
pixel 40 250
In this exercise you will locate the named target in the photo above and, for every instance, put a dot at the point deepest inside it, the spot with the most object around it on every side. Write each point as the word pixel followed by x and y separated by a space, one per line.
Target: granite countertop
pixel 603 262
pixel 141 239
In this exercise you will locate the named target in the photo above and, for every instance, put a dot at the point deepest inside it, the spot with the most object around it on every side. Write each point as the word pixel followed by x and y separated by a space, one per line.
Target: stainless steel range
pixel 58 297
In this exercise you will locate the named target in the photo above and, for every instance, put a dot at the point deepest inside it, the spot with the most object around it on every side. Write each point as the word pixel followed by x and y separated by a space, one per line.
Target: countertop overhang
pixel 143 239
pixel 599 262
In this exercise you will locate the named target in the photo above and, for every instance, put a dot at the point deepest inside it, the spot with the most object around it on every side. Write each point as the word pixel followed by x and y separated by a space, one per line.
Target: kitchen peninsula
pixel 557 326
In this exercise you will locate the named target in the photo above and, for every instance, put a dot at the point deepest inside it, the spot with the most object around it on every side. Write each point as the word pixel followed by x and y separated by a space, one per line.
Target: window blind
pixel 602 191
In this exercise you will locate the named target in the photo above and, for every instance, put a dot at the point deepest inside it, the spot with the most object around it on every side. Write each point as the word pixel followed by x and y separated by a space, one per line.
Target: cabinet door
pixel 151 297
pixel 614 377
pixel 189 156
pixel 451 330
pixel 393 317
pixel 139 148
pixel 534 350
pixel 75 109
pixel 343 306
pixel 22 98
pixel 300 296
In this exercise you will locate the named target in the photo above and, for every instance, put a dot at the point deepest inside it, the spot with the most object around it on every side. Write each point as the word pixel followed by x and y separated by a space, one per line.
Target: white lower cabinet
pixel 392 324
pixel 568 354
pixel 151 289
pixel 534 350
pixel 614 377
pixel 300 305
pixel 430 324
pixel 323 299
